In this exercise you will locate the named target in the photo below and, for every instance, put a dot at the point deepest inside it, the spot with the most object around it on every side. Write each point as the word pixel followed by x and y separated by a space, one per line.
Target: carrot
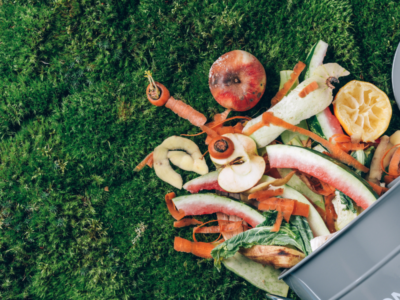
pixel 145 161
pixel 231 226
pixel 266 194
pixel 270 204
pixel 171 207
pixel 344 142
pixel 223 227
pixel 182 245
pixel 218 118
pixel 186 222
pixel 210 131
pixel 378 189
pixel 308 89
pixel 339 138
pixel 337 153
pixel 217 124
pixel 238 127
pixel 199 249
pixel 150 161
pixel 298 68
pixel 225 129
pixel 388 179
pixel 156 92
pixel 186 111
pixel 278 222
pixel 209 229
pixel 301 209
pixel 330 213
pixel 394 163
pixel 254 128
pixel 159 95
pixel 287 207
pixel 196 229
pixel 220 146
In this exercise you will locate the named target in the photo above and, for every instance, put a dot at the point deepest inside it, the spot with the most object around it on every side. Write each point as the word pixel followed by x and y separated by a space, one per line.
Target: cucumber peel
pixel 265 278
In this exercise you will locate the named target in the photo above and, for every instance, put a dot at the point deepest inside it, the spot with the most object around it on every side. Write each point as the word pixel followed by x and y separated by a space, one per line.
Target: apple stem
pixel 154 91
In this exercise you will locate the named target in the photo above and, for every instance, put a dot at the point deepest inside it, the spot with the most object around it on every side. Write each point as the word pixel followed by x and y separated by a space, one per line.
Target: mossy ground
pixel 74 119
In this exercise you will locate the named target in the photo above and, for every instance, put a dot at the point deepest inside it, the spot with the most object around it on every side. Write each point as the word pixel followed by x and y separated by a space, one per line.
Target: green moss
pixel 74 119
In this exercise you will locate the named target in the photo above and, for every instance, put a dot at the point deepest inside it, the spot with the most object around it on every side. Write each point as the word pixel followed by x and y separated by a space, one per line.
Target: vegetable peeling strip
pixel 171 207
pixel 199 249
pixel 269 118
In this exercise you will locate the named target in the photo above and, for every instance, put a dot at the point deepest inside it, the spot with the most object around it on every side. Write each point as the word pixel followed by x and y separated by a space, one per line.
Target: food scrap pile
pixel 284 181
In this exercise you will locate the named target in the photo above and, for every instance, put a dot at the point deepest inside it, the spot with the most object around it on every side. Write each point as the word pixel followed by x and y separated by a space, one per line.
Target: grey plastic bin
pixel 361 262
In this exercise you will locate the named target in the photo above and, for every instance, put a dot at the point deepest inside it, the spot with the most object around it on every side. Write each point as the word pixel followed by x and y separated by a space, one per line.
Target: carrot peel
pixel 187 222
pixel 199 249
pixel 308 89
pixel 286 208
pixel 146 161
pixel 266 194
pixel 298 68
pixel 217 124
pixel 394 163
pixel 177 215
pixel 377 188
pixel 337 153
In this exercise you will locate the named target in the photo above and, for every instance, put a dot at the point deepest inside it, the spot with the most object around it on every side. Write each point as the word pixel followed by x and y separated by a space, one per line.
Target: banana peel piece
pixel 190 161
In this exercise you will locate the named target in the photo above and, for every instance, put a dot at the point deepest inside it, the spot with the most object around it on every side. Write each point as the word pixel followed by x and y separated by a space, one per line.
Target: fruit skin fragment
pixel 162 166
pixel 204 182
pixel 324 168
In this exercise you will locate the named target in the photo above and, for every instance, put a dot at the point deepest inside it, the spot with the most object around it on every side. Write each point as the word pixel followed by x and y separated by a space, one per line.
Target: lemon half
pixel 363 110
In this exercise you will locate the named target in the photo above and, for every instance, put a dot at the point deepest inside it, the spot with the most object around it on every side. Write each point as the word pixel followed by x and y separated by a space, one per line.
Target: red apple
pixel 237 80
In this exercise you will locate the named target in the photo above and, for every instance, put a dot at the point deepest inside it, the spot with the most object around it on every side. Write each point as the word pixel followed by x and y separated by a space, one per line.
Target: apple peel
pixel 163 168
